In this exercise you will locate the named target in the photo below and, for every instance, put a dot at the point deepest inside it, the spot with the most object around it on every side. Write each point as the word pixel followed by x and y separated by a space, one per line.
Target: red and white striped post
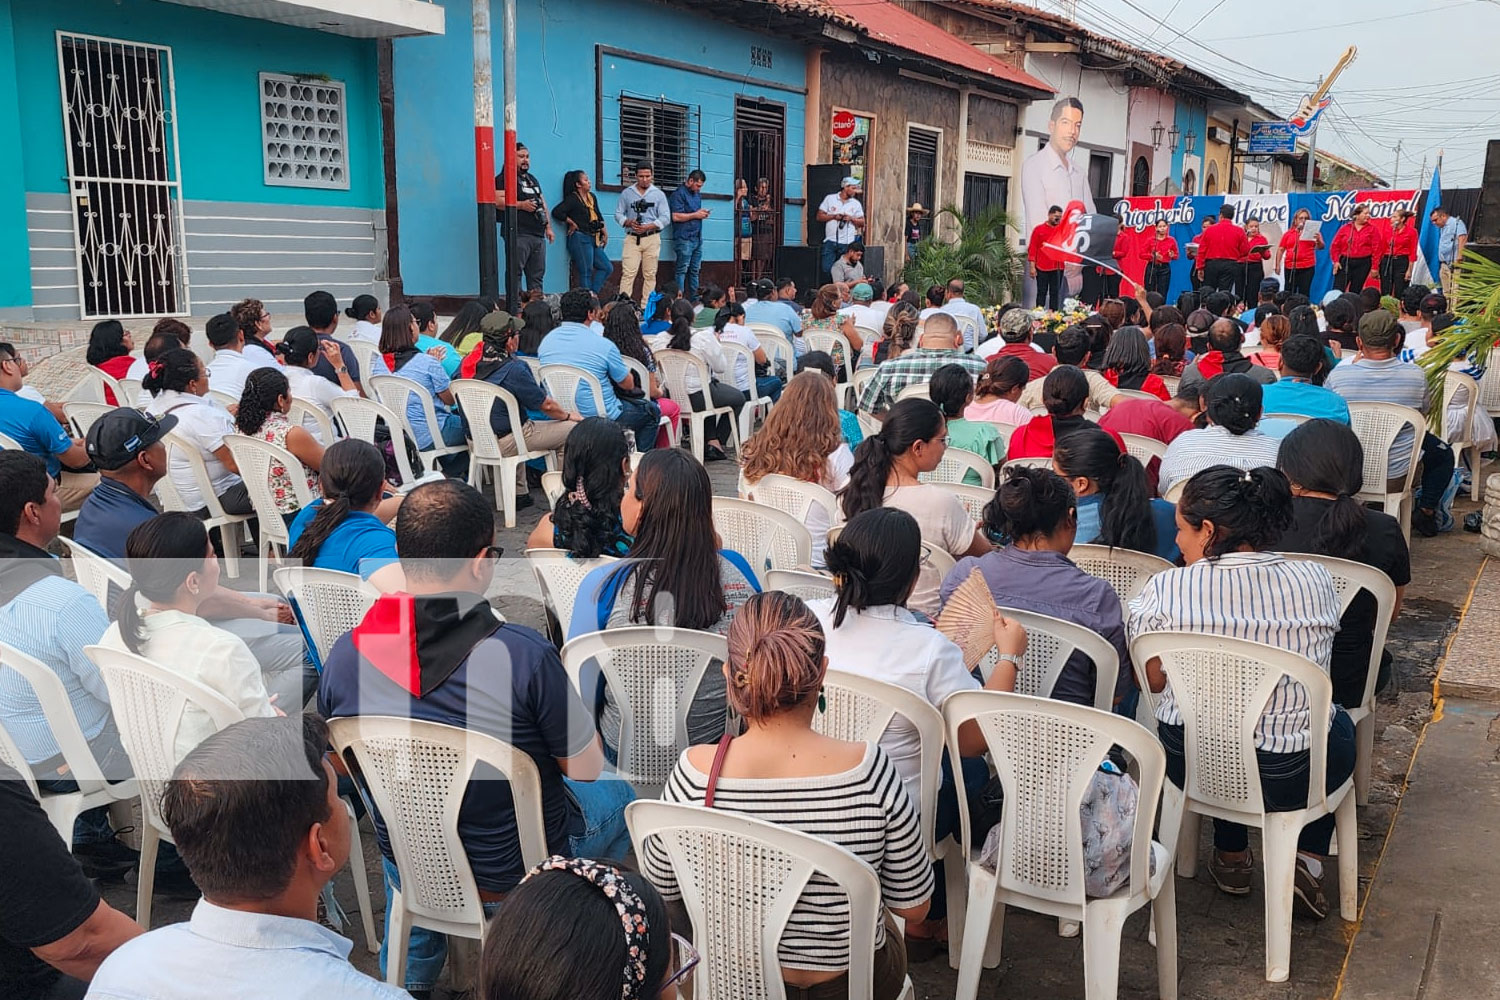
pixel 484 153
pixel 508 75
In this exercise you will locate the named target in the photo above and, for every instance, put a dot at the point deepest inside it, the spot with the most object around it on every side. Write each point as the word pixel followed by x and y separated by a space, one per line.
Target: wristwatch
pixel 340 370
pixel 1010 658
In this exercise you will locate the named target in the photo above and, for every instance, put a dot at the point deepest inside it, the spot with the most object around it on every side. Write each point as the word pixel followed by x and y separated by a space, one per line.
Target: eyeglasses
pixel 687 959
pixel 495 551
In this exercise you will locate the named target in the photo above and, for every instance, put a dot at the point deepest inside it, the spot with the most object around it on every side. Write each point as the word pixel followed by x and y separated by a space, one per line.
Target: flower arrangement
pixel 1072 313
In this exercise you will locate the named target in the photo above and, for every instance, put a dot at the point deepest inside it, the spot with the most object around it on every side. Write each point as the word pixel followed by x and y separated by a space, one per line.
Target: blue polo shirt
pixel 575 344
pixel 360 544
pixel 1289 395
pixel 684 201
pixel 33 428
pixel 108 515
pixel 512 686
pixel 781 315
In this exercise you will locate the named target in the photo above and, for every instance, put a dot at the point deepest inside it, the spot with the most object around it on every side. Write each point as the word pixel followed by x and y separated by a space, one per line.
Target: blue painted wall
pixel 1190 118
pixel 15 263
pixel 556 120
pixel 216 60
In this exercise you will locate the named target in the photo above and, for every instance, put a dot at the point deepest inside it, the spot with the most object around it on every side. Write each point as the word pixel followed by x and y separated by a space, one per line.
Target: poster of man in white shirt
pixel 1050 177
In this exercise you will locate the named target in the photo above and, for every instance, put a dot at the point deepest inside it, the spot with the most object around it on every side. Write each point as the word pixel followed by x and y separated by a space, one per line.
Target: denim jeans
pixel 1283 784
pixel 591 262
pixel 769 386
pixel 1437 471
pixel 92 825
pixel 831 252
pixel 689 261
pixel 603 805
pixel 641 416
pixel 976 776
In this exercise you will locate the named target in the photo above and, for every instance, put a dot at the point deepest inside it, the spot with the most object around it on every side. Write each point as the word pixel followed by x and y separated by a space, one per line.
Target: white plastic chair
pixel 371 362
pixel 1221 687
pixel 228 524
pixel 94 572
pixel 862 378
pixel 132 389
pixel 917 390
pixel 654 673
pixel 1049 643
pixel 1171 382
pixel 62 808
pixel 91 385
pixel 568 384
pixel 800 583
pixel 11 757
pixel 223 399
pixel 768 538
pixel 395 392
pixel 643 382
pixel 1377 425
pixel 778 348
pixel 859 709
pixel 1045 754
pixel 82 413
pixel 1143 448
pixel 1173 493
pixel 974 498
pixel 717 856
pixel 8 443
pixel 1457 385
pixel 476 397
pixel 329 603
pixel 359 418
pixel 1038 462
pixel 558 577
pixel 1137 394
pixel 1349 578
pixel 553 488
pixel 256 459
pixel 674 367
pixel 1125 569
pixel 958 461
pixel 834 343
pixel 1489 384
pixel 793 497
pixel 304 410
pixel 869 425
pixel 416 773
pixel 756 405
pixel 1296 418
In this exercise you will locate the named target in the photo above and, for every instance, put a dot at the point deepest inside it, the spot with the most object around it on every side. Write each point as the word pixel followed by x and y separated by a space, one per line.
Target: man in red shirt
pixel 1155 419
pixel 1356 251
pixel 1158 251
pixel 1400 254
pixel 1221 249
pixel 1015 330
pixel 1043 269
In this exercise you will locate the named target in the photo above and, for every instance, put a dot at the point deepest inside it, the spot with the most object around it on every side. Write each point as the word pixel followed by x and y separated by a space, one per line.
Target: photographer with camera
pixel 643 213
pixel 533 229
pixel 586 239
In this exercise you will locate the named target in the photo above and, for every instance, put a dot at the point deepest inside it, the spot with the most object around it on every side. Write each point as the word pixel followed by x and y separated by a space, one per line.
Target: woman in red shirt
pixel 109 351
pixel 1298 255
pixel 1357 249
pixel 1127 363
pixel 1400 254
pixel 1254 261
pixel 1158 252
pixel 1065 391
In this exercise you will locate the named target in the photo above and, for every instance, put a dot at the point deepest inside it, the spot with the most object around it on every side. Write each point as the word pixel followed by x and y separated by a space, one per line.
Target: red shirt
pixel 1404 242
pixel 1152 384
pixel 1038 363
pixel 1040 235
pixel 1223 241
pixel 1352 242
pixel 1254 257
pixel 115 368
pixel 1036 437
pixel 1145 417
pixel 1159 251
pixel 1299 252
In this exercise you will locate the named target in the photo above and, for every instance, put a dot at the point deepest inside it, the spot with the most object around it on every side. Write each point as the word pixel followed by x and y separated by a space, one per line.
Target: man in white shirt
pixel 230 367
pixel 970 317
pixel 843 219
pixel 1050 177
pixel 255 933
pixel 862 312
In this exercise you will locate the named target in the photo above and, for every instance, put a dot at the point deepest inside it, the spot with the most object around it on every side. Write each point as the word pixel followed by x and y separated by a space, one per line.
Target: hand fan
pixel 969 619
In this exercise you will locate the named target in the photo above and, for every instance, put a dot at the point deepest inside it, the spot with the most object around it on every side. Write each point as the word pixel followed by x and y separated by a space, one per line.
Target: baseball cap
pixel 1378 323
pixel 494 322
pixel 1268 285
pixel 862 292
pixel 116 438
pixel 1015 321
pixel 850 181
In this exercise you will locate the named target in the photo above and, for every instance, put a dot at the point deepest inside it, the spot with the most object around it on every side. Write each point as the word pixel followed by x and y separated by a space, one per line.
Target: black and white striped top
pixel 865 810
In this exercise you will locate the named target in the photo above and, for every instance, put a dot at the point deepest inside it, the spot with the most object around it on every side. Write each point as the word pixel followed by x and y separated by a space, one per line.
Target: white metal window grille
pixel 120 125
pixel 660 133
pixel 302 129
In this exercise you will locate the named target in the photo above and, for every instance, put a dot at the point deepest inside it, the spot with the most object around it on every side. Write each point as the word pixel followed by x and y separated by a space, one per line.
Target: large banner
pixel 1185 216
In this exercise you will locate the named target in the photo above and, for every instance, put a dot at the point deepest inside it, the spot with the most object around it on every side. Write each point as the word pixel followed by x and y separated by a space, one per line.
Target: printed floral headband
pixel 618 890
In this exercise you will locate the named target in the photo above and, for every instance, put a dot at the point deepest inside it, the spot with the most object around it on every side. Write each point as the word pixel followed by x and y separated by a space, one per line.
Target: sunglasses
pixel 686 960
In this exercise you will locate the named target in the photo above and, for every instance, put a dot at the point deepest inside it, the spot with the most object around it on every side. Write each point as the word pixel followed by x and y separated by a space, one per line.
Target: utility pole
pixel 1312 140
pixel 1422 174
pixel 508 62
pixel 1396 174
pixel 484 150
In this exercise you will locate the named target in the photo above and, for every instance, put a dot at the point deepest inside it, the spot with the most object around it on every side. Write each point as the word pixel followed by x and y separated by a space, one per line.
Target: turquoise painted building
pixel 694 87
pixel 165 158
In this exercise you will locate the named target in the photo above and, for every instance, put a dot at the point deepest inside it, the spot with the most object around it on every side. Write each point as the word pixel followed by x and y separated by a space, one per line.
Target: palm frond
pixel 1477 306
pixel 980 253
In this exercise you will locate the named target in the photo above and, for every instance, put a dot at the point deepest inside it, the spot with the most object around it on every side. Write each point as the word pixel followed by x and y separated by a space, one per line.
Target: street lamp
pixel 1189 141
pixel 1173 134
pixel 1156 134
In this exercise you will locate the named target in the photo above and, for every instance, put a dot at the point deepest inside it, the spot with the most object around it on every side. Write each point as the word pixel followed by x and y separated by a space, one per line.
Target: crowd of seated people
pixel 597 918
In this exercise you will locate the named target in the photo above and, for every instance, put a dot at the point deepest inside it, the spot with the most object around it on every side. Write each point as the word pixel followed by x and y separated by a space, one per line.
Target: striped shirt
pixel 865 810
pixel 1193 451
pixel 1384 380
pixel 912 367
pixel 1259 596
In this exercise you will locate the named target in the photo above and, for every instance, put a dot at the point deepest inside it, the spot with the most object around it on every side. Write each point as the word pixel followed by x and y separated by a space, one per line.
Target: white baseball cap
pixel 850 182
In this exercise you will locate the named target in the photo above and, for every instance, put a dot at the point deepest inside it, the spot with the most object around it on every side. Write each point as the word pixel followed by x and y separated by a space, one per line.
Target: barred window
pixel 658 132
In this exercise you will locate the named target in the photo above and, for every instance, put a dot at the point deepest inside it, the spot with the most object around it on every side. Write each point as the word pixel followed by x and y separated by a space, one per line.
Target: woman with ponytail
pixel 1115 506
pixel 998 389
pixel 586 520
pixel 912 440
pixel 1036 512
pixel 782 771
pixel 1065 392
pixel 1229 524
pixel 1323 460
pixel 173 570
pixel 178 385
pixel 1232 403
pixel 365 311
pixel 700 340
pixel 266 401
pixel 300 352
pixel 343 530
pixel 398 346
pixel 871 633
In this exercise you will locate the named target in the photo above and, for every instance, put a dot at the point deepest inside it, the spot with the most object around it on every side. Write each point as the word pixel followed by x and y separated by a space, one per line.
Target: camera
pixel 639 208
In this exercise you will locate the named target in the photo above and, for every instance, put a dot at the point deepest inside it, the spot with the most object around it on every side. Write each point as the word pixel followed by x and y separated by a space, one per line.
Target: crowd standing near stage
pixel 932 441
